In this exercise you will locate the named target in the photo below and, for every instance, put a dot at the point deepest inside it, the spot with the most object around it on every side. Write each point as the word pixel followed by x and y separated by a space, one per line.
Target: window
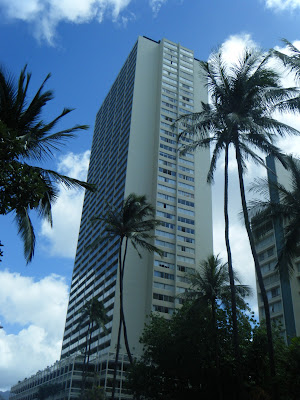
pixel 186 259
pixel 163 286
pixel 162 243
pixel 164 275
pixel 187 212
pixel 167 180
pixel 185 239
pixel 186 177
pixel 166 171
pixel 166 197
pixel 167 163
pixel 165 215
pixel 162 309
pixel 163 264
pixel 186 194
pixel 163 297
pixel 186 186
pixel 186 202
pixel 275 307
pixel 186 249
pixel 167 225
pixel 186 229
pixel 165 234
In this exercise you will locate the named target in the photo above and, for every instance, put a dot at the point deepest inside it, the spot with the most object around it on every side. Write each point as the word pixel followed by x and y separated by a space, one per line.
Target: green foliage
pixel 179 358
pixel 49 390
pixel 179 355
pixel 95 393
pixel 25 139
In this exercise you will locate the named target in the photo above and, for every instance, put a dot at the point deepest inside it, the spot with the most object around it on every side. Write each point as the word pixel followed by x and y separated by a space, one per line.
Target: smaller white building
pixel 283 291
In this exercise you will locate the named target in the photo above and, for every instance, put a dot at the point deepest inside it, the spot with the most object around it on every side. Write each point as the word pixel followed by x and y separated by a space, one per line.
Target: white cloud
pixel 281 5
pixel 39 308
pixel 47 14
pixel 233 47
pixel 156 5
pixel 62 238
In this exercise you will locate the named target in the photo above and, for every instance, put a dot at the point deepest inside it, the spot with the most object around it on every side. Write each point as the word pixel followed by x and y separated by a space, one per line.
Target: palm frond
pixel 25 229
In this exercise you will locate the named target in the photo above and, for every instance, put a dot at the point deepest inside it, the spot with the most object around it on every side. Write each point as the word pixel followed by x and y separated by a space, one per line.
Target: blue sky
pixel 83 43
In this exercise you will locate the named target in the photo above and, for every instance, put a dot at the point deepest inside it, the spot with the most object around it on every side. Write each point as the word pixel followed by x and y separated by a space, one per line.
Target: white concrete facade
pixel 283 291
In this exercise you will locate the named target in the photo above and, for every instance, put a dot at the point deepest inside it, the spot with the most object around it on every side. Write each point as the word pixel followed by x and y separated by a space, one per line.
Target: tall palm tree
pixel 244 97
pixel 25 141
pixel 211 284
pixel 94 312
pixel 133 223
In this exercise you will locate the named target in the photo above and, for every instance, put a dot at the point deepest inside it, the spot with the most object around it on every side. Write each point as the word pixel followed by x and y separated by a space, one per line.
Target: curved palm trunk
pixel 120 320
pixel 258 271
pixel 235 333
pixel 122 309
pixel 230 269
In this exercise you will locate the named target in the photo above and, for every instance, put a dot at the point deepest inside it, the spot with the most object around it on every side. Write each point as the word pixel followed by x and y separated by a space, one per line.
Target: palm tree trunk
pixel 258 272
pixel 87 345
pixel 217 352
pixel 120 319
pixel 235 334
pixel 122 309
pixel 230 268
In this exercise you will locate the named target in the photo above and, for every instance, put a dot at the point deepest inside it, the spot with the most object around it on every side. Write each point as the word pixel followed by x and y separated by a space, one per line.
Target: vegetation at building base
pixel 25 141
pixel 179 359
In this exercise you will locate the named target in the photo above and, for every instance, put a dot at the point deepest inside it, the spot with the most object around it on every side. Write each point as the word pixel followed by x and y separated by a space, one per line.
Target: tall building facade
pixel 283 290
pixel 135 150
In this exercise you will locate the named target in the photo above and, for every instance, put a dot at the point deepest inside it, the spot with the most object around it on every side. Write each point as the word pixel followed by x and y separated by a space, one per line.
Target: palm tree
pixel 94 312
pixel 134 222
pixel 26 138
pixel 244 97
pixel 211 284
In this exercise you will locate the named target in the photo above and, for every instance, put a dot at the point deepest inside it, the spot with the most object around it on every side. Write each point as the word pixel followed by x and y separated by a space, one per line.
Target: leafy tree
pixel 95 393
pixel 25 141
pixel 244 97
pixel 133 223
pixel 179 359
pixel 94 312
pixel 48 390
pixel 211 286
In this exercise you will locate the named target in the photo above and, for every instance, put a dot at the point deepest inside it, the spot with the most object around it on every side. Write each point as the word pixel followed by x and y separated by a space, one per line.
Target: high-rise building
pixel 282 289
pixel 135 150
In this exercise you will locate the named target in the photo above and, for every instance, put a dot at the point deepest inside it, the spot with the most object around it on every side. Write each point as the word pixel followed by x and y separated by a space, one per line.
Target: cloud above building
pixel 36 309
pixel 45 15
pixel 282 5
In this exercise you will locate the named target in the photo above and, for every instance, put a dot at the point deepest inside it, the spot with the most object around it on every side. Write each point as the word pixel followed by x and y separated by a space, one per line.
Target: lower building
pixel 283 290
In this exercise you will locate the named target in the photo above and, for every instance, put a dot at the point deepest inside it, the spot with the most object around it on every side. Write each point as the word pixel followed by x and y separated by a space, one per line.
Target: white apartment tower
pixel 283 290
pixel 135 150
